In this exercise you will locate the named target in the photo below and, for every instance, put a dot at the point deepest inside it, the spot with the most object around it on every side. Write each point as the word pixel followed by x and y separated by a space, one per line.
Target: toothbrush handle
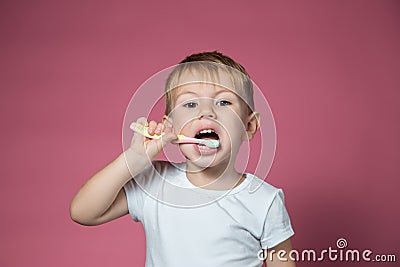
pixel 143 130
pixel 187 140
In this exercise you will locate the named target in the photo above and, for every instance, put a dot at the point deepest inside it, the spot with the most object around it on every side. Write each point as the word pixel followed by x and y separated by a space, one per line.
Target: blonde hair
pixel 210 65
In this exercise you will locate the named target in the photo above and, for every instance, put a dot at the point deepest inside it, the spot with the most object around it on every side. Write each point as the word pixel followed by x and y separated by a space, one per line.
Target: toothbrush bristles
pixel 211 143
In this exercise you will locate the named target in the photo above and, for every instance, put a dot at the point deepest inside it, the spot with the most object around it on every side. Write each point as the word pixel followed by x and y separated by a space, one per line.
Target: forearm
pixel 98 194
pixel 273 258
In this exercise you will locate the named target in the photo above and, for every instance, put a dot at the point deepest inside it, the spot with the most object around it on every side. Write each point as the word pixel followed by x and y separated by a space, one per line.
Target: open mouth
pixel 207 134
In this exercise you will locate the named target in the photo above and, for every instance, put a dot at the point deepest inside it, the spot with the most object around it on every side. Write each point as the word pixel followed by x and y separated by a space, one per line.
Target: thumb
pixel 159 144
pixel 167 138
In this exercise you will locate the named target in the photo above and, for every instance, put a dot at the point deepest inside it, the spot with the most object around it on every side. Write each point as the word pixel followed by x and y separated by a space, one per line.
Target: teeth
pixel 206 131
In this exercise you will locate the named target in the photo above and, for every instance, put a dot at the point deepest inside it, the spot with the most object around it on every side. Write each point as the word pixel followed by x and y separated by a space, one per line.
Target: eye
pixel 223 103
pixel 190 105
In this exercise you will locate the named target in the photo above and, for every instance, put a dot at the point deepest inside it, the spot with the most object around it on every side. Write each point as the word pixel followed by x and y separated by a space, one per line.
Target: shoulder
pixel 157 167
pixel 260 195
pixel 260 188
pixel 150 174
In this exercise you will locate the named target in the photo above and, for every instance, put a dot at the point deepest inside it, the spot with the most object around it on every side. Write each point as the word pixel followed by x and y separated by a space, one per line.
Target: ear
pixel 252 126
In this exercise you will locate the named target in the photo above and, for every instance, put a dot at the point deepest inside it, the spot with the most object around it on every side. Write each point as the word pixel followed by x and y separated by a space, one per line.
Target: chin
pixel 202 165
pixel 208 161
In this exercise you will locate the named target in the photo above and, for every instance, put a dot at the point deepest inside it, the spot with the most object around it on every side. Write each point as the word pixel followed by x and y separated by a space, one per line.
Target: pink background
pixel 329 69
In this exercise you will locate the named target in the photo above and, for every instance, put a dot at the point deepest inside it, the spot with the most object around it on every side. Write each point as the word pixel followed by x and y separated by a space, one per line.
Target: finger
pixel 167 127
pixel 167 122
pixel 168 138
pixel 152 127
pixel 159 129
pixel 161 143
pixel 167 130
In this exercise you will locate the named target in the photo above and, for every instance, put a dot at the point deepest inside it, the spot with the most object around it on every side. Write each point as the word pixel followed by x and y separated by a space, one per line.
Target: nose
pixel 207 109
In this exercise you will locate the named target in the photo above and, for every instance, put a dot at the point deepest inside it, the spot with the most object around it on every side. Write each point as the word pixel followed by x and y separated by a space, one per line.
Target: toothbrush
pixel 143 130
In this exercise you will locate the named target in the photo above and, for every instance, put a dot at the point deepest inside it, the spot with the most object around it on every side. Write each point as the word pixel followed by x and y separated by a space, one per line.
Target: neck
pixel 221 177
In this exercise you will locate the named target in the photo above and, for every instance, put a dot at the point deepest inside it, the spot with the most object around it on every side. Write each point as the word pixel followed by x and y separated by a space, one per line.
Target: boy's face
pixel 199 107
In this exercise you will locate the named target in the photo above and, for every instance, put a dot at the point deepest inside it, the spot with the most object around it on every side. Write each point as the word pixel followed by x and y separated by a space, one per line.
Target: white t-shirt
pixel 190 226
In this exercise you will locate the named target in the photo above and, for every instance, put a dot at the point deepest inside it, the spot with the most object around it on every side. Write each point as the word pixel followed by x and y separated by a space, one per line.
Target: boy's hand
pixel 147 148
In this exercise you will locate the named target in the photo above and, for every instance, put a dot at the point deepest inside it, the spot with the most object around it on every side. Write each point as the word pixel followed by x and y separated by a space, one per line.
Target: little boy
pixel 199 212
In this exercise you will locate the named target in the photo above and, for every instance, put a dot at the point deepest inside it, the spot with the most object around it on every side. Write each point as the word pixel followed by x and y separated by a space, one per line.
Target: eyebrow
pixel 219 91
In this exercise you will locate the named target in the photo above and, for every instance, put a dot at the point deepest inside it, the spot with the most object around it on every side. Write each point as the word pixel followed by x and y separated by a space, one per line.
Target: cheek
pixel 236 129
pixel 183 114
pixel 181 121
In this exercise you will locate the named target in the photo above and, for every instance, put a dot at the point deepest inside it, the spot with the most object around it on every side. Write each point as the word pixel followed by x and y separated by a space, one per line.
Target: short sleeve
pixel 132 197
pixel 135 193
pixel 277 226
